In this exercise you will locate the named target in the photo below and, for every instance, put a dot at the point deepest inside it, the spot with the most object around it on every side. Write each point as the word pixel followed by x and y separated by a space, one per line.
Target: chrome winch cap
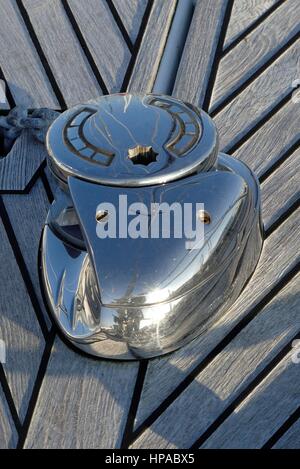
pixel 132 140
pixel 126 294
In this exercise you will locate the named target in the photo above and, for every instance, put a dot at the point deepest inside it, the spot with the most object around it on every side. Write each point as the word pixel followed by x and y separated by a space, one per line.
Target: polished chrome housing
pixel 140 298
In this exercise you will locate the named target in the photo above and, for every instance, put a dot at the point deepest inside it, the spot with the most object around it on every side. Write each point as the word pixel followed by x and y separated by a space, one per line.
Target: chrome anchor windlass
pixel 123 296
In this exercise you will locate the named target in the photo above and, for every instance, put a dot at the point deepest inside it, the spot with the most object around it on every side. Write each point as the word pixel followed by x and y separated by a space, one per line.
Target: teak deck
pixel 236 386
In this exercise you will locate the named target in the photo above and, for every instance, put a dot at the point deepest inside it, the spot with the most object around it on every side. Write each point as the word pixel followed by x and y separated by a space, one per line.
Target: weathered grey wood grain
pixel 27 215
pixel 131 13
pixel 198 54
pixel 272 140
pixel 291 439
pixel 83 403
pixel 259 98
pixel 19 329
pixel 104 40
pixel 166 373
pixel 263 412
pixel 64 54
pixel 152 46
pixel 20 62
pixel 253 51
pixel 281 190
pixel 228 374
pixel 8 434
pixel 244 14
pixel 21 163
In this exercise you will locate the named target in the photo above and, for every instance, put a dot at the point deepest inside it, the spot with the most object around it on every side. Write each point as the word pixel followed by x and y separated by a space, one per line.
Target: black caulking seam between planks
pixel 217 57
pixel 136 46
pixel 23 269
pixel 120 24
pixel 35 177
pixel 47 186
pixel 280 161
pixel 261 122
pixel 41 54
pixel 245 393
pixel 134 404
pixel 9 399
pixel 255 75
pixel 218 348
pixel 282 218
pixel 84 46
pixel 30 184
pixel 293 418
pixel 252 27
pixel 37 386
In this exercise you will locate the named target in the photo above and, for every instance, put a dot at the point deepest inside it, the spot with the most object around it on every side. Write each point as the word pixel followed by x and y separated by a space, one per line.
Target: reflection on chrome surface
pixel 127 298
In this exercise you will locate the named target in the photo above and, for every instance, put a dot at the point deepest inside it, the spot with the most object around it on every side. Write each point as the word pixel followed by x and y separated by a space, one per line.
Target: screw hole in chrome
pixel 102 216
pixel 204 217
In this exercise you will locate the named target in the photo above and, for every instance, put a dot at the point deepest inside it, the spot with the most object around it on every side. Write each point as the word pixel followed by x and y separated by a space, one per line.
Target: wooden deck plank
pixel 104 40
pixel 64 54
pixel 19 329
pixel 198 54
pixel 263 412
pixel 266 146
pixel 228 374
pixel 244 14
pixel 152 46
pixel 259 98
pixel 20 63
pixel 83 403
pixel 21 163
pixel 27 213
pixel 287 178
pixel 131 13
pixel 291 439
pixel 8 433
pixel 166 373
pixel 250 54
